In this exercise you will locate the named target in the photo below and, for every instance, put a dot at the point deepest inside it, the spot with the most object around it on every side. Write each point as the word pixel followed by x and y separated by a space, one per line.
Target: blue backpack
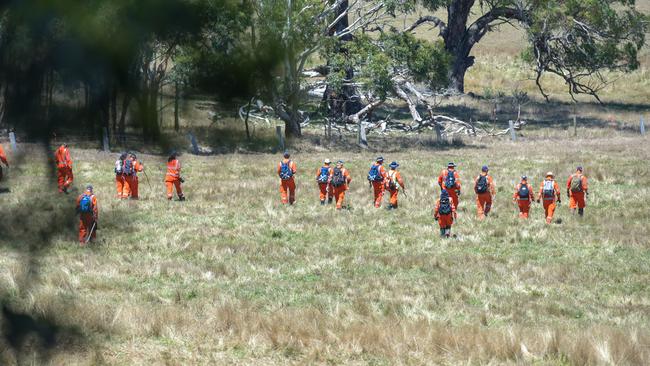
pixel 373 174
pixel 445 207
pixel 285 170
pixel 86 204
pixel 450 181
pixel 524 192
pixel 127 167
pixel 324 175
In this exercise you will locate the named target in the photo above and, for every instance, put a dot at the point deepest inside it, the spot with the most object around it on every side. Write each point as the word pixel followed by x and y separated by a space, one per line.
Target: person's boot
pixel 443 232
pixel 581 212
pixel 448 232
pixel 322 202
pixel 181 198
pixel 329 200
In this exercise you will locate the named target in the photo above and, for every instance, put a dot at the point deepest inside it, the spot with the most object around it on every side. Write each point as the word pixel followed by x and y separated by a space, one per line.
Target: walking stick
pixel 148 181
pixel 90 234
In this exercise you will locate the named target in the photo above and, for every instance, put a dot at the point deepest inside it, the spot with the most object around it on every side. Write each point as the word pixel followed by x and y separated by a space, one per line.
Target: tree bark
pixel 457 43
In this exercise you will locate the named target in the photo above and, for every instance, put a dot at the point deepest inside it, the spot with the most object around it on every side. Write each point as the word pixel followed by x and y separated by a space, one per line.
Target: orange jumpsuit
pixel 288 186
pixel 326 189
pixel 549 201
pixel 378 185
pixel 132 180
pixel 3 158
pixel 121 184
pixel 445 221
pixel 173 179
pixel 64 168
pixel 339 192
pixel 577 199
pixel 453 192
pixel 395 177
pixel 484 200
pixel 88 220
pixel 524 203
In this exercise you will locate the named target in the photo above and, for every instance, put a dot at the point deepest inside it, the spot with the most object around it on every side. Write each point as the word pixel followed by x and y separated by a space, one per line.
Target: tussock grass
pixel 231 276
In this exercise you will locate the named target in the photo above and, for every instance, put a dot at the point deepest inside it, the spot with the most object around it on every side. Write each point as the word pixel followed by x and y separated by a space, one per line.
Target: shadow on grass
pixel 30 228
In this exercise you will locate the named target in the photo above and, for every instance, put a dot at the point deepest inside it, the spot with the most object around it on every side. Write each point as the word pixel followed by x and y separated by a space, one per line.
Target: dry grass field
pixel 232 277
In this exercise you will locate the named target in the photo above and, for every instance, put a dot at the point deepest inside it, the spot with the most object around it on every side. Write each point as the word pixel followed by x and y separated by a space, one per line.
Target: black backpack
pixel 450 181
pixel 524 192
pixel 481 184
pixel 445 207
pixel 338 179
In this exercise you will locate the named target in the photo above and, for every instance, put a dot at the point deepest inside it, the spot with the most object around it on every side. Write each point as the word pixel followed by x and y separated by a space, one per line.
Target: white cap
pixel 328 161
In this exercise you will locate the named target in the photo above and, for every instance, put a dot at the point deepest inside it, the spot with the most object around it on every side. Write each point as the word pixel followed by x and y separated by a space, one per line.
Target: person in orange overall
pixel 394 182
pixel 120 180
pixel 64 168
pixel 324 185
pixel 485 190
pixel 3 159
pixel 449 180
pixel 524 196
pixel 445 214
pixel 340 179
pixel 549 192
pixel 377 179
pixel 132 180
pixel 88 215
pixel 173 177
pixel 576 189
pixel 286 171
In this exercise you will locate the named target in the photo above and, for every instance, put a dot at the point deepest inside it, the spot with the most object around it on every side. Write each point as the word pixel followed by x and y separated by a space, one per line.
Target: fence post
pixel 642 126
pixel 12 139
pixel 278 133
pixel 363 141
pixel 513 136
pixel 195 146
pixel 575 125
pixel 105 139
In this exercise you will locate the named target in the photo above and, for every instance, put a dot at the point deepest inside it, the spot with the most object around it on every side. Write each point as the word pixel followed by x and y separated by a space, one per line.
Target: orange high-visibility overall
pixel 453 195
pixel 447 220
pixel 88 220
pixel 339 192
pixel 378 185
pixel 288 186
pixel 326 190
pixel 395 177
pixel 484 200
pixel 577 199
pixel 173 179
pixel 63 168
pixel 524 203
pixel 549 201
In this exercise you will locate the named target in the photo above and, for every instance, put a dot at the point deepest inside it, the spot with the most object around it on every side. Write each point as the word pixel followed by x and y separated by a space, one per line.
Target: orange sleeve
pixel 68 158
pixel 453 210
pixel 294 168
pixel 138 166
pixel 493 186
pixel 541 190
pixel 79 201
pixel 568 182
pixel 585 184
pixel 435 209
pixel 457 179
pixel 400 180
pixel 279 168
pixel 440 178
pixel 557 189
pixel 347 175
pixel 95 208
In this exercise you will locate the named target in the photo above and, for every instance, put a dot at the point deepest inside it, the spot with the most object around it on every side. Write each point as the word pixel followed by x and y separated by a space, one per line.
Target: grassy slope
pixel 230 275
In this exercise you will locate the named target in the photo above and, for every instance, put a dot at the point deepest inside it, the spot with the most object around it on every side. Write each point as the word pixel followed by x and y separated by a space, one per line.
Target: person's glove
pixel 436 218
pixel 538 200
pixel 458 192
pixel 559 201
pixel 181 180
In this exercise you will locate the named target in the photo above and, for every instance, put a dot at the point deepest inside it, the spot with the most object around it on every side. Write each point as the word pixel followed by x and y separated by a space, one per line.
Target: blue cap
pixel 286 154
pixel 394 165
pixel 340 162
pixel 484 168
pixel 380 159
pixel 451 163
pixel 579 168
pixel 523 177
pixel 89 187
